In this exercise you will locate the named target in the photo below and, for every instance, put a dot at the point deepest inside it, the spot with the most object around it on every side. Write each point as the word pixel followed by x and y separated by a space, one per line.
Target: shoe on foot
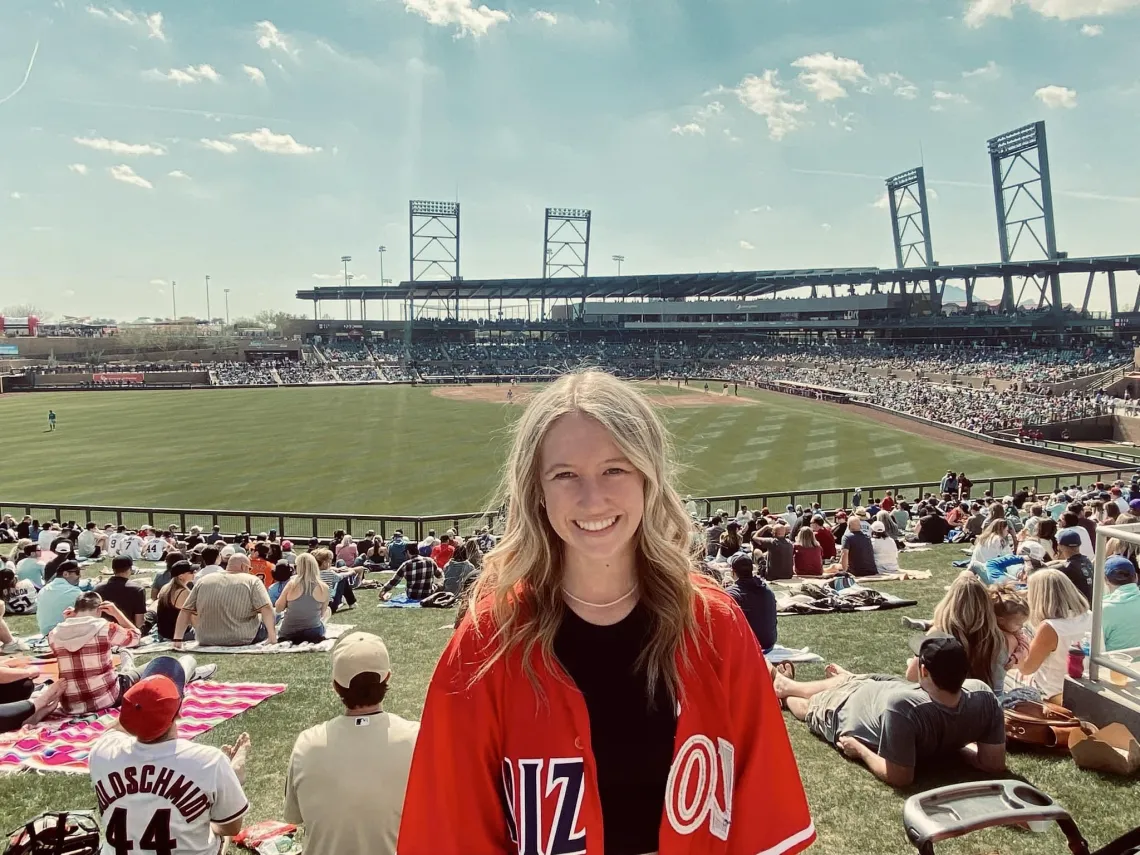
pixel 15 646
pixel 914 623
pixel 204 672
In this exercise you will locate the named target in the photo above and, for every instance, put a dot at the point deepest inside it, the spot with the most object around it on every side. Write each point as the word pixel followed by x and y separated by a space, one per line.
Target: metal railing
pixel 1097 659
pixel 303 526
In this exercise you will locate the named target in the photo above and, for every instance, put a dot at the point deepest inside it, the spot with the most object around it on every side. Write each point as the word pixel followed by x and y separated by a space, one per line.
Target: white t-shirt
pixel 154 550
pixel 1086 542
pixel 46 537
pixel 346 783
pixel 132 546
pixel 1050 677
pixel 886 554
pixel 164 791
pixel 206 571
pixel 85 545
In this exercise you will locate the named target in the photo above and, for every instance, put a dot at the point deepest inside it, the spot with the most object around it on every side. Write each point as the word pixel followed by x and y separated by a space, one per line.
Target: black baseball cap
pixel 944 657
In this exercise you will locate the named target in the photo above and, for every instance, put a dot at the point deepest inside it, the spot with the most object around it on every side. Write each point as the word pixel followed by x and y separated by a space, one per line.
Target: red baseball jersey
pixel 496 770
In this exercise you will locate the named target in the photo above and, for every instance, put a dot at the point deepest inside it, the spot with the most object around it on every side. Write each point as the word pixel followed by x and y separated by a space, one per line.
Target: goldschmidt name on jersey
pixel 183 794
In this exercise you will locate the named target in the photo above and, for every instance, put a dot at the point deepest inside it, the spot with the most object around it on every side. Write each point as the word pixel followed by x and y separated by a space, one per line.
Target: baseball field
pixel 418 450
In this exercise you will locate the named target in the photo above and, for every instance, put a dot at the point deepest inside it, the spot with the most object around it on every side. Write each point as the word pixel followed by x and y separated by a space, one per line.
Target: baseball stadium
pixel 956 444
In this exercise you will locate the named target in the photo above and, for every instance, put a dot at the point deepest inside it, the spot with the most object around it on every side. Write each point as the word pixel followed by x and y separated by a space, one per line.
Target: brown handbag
pixel 1040 724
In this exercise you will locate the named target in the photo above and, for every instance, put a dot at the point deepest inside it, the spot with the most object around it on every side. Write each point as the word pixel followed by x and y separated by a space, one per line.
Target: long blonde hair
pixel 308 572
pixel 522 576
pixel 967 614
pixel 997 528
pixel 1051 594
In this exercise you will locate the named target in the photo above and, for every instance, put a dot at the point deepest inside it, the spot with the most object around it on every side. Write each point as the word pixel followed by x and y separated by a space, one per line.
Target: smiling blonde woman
pixel 598 695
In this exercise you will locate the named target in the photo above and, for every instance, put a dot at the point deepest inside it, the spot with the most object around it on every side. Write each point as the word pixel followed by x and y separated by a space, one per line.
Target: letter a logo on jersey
pixel 700 786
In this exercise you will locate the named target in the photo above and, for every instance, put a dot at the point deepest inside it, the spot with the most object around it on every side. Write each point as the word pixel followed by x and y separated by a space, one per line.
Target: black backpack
pixel 56 833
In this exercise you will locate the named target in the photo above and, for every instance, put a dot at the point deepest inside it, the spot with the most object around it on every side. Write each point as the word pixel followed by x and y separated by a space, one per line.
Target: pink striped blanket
pixel 62 745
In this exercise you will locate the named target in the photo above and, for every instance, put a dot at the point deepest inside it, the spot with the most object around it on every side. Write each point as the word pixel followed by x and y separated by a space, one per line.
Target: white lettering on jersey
pixel 689 803
pixel 523 796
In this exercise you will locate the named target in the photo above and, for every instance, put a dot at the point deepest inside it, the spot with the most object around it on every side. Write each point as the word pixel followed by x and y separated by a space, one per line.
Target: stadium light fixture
pixel 227 290
pixel 208 318
pixel 619 259
pixel 383 250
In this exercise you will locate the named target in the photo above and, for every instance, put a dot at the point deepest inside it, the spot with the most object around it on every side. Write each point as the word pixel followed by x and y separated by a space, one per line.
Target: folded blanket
pixel 333 631
pixel 900 576
pixel 63 745
pixel 812 598
pixel 400 601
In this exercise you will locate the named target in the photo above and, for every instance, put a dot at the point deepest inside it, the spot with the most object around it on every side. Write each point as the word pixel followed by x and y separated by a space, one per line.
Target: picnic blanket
pixel 62 745
pixel 813 598
pixel 333 631
pixel 900 576
pixel 400 601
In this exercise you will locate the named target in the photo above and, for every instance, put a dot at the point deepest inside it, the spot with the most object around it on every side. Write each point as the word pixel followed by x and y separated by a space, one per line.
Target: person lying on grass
pixel 891 725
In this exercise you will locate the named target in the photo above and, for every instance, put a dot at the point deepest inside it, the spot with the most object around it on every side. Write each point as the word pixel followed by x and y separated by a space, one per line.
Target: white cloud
pixel 152 22
pixel 546 17
pixel 14 195
pixel 189 74
pixel 218 145
pixel 713 108
pixel 69 293
pixel 458 13
pixel 979 11
pixel 825 226
pixel 942 98
pixel 746 245
pixel 883 203
pixel 255 74
pixel 80 168
pixel 116 147
pixel 269 37
pixel 328 277
pixel 689 129
pixel 989 70
pixel 825 73
pixel 903 88
pixel 157 281
pixel 265 140
pixel 764 96
pixel 1092 30
pixel 128 176
pixel 1057 97
pixel 178 173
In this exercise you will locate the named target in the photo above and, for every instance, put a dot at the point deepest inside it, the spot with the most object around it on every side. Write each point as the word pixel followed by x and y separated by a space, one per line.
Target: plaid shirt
pixel 419 575
pixel 89 680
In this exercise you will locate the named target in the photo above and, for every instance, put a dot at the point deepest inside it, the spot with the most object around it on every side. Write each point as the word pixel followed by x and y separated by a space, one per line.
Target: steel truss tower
pixel 566 243
pixel 910 219
pixel 433 237
pixel 1023 198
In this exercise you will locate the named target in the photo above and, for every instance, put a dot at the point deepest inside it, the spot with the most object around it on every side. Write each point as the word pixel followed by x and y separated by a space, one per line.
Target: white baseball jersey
pixel 115 542
pixel 161 797
pixel 154 550
pixel 132 545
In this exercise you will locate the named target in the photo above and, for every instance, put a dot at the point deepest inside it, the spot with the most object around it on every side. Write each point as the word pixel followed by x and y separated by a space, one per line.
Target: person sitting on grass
pixel 305 602
pixel 129 597
pixel 338 580
pixel 259 563
pixel 420 574
pixel 17 596
pixel 893 726
pixel 824 538
pixel 282 573
pixel 1121 604
pixel 885 549
pixel 91 542
pixel 347 776
pixel 808 554
pixel 232 608
pixel 441 553
pixel 779 552
pixel 1060 617
pixel 29 567
pixel 856 555
pixel 171 558
pixel 171 599
pixel 212 562
pixel 82 643
pixel 164 773
pixel 457 569
pixel 57 596
pixel 755 599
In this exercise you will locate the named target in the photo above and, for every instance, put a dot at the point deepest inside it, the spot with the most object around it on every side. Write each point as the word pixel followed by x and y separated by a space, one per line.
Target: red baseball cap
pixel 149 707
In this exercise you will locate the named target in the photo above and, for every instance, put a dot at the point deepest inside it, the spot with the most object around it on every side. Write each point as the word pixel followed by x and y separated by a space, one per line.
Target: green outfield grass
pixel 403 450
pixel 854 813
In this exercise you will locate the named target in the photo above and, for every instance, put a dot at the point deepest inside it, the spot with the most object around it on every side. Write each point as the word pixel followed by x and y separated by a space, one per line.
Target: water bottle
pixel 1076 662
pixel 1086 644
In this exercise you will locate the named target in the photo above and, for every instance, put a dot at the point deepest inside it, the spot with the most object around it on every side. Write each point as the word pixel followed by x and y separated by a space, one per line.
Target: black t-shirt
pixel 193 540
pixel 632 740
pixel 933 529
pixel 130 598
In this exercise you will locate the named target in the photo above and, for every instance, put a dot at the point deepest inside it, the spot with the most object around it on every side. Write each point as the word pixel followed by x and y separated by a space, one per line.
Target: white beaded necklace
pixel 620 599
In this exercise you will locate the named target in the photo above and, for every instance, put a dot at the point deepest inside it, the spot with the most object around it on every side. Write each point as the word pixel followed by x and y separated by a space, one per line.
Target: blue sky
pixel 258 142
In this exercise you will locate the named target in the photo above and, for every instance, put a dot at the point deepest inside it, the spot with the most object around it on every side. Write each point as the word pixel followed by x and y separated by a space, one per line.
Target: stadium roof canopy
pixel 753 283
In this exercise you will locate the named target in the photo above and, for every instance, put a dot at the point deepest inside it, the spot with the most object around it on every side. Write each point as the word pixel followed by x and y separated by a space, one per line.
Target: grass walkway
pixel 854 813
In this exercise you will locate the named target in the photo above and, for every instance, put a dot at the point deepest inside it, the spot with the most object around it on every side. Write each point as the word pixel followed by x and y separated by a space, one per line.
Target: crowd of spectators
pixel 299 373
pixel 340 350
pixel 244 374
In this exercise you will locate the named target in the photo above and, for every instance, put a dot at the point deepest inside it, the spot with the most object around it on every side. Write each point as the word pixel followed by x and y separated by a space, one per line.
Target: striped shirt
pixel 227 606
